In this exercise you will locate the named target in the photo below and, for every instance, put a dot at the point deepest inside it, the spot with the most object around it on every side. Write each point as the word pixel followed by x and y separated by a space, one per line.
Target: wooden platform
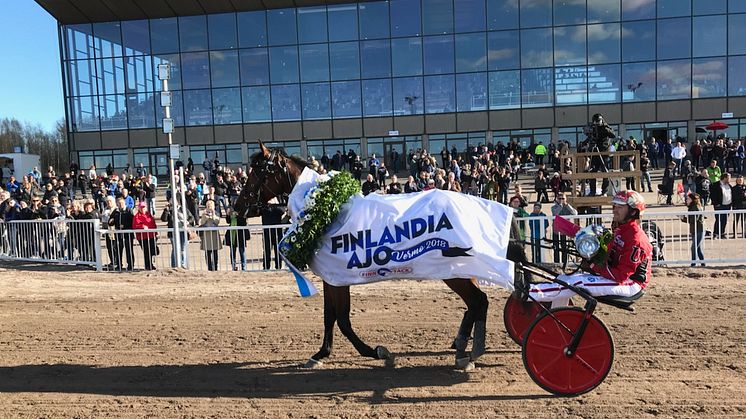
pixel 577 166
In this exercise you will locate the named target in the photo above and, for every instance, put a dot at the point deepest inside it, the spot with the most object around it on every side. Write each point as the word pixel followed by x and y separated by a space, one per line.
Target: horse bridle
pixel 262 171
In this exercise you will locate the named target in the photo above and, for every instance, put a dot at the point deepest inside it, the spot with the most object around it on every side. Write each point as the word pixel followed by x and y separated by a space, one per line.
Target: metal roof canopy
pixel 92 11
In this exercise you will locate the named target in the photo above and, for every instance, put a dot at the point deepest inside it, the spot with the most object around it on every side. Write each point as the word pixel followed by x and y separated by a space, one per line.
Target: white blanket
pixel 428 235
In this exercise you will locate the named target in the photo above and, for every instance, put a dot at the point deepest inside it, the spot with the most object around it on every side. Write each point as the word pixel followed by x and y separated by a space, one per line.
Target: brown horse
pixel 274 174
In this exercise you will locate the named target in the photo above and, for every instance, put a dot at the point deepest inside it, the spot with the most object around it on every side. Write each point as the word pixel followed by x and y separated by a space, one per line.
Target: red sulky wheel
pixel 544 353
pixel 518 316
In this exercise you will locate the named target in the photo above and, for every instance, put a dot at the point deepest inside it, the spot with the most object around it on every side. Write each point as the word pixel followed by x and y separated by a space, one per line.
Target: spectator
pixel 538 229
pixel 128 200
pixel 394 187
pixel 370 185
pixel 714 172
pixel 430 185
pixel 645 172
pixel 411 186
pixel 540 151
pixel 540 185
pixel 628 166
pixel 452 184
pixel 559 241
pixel 667 185
pixel 738 157
pixel 109 238
pixel 696 152
pixel 678 154
pixel 738 192
pixel 519 212
pixel 373 164
pixel 168 216
pixel 722 200
pixel 210 240
pixel 702 184
pixel 236 238
pixel 272 216
pixel 383 173
pixel 122 219
pixel 143 220
pixel 696 226
pixel 688 177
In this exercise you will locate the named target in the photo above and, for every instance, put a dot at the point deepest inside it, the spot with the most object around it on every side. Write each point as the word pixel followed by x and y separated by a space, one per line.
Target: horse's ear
pixel 265 151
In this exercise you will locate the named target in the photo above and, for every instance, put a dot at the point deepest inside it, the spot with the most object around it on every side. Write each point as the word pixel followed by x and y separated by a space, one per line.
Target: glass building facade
pixel 401 57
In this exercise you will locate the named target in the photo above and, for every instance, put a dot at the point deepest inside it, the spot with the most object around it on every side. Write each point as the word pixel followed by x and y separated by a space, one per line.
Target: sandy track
pixel 174 344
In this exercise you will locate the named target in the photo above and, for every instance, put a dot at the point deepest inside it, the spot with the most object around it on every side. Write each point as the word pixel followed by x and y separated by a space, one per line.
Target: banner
pixel 426 235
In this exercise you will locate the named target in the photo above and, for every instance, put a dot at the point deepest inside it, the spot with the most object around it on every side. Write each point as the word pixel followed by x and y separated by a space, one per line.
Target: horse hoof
pixel 387 356
pixel 313 364
pixel 469 367
pixel 463 363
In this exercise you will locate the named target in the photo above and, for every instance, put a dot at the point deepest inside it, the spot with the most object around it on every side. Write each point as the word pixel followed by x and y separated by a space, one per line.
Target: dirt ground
pixel 172 344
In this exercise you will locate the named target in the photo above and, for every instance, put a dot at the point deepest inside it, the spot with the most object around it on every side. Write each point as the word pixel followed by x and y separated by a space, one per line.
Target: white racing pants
pixel 596 285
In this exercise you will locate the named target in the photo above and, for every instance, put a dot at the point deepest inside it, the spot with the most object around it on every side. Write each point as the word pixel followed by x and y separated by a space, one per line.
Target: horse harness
pixel 264 170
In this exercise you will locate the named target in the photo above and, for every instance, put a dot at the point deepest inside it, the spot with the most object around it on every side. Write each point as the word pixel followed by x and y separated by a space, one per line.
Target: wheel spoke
pixel 593 346
pixel 548 364
pixel 586 364
pixel 547 346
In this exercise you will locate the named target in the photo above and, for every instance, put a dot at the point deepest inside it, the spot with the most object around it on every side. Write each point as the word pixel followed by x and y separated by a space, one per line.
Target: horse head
pixel 272 174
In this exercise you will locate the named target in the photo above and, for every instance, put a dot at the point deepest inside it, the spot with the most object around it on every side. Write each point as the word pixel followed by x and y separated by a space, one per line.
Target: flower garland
pixel 322 205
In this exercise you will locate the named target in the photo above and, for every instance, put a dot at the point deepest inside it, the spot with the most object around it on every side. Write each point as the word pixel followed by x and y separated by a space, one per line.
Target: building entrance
pixel 159 164
pixel 394 163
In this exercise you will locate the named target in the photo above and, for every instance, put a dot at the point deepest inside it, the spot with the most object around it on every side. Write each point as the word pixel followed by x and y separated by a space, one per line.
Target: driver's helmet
pixel 630 198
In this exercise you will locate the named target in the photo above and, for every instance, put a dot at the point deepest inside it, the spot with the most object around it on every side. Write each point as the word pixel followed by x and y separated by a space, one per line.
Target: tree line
pixel 51 146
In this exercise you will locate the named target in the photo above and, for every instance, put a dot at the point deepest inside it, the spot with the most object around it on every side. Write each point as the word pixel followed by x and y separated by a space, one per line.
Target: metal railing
pixel 254 247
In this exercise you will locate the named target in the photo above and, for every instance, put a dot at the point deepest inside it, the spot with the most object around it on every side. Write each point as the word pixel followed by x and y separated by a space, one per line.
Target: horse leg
pixel 330 318
pixel 477 305
pixel 342 310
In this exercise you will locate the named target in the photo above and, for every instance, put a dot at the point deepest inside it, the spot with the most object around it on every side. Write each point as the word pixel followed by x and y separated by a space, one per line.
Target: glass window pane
pixel 226 106
pixel 736 6
pixel 471 92
pixel 709 7
pixel 164 35
pixel 603 11
pixel 140 110
pixel 173 60
pixel 673 8
pixel 193 33
pixel 569 12
pixel 256 104
pixel 437 17
pixel 604 84
pixel 471 53
pixel 139 74
pixel 537 87
pixel 502 14
pixel 316 101
pixel 110 73
pixel 286 104
pixel 736 76
pixel 224 68
pixel 252 29
pixel 709 36
pixel 638 80
pixel 374 20
pixel 407 96
pixel 85 114
pixel 343 22
pixel 438 54
pixel 314 62
pixel 177 109
pixel 376 59
pixel 536 48
pixel 136 37
pixel 536 13
pixel 569 45
pixel 346 99
pixel 604 43
pixel 405 18
pixel 638 41
pixel 254 66
pixel 113 111
pixel 83 79
pixel 708 77
pixel 197 107
pixel 505 89
pixel 80 41
pixel 736 34
pixel 281 25
pixel 406 56
pixel 469 15
pixel 503 50
pixel 344 59
pixel 674 79
pixel 311 24
pixel 638 9
pixel 222 31
pixel 195 70
pixel 108 39
pixel 377 97
pixel 674 38
pixel 283 65
pixel 440 96
pixel 571 85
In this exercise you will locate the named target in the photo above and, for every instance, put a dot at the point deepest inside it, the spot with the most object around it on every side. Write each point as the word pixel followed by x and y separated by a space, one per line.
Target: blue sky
pixel 30 81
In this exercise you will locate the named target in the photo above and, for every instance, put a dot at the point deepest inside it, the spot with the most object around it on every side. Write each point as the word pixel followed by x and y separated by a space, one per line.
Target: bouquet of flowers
pixel 323 203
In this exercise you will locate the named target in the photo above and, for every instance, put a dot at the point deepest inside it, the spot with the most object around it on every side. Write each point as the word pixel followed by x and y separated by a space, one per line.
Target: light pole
pixel 164 74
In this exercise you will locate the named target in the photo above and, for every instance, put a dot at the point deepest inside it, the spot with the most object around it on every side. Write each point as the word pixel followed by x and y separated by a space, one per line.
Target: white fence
pixel 254 248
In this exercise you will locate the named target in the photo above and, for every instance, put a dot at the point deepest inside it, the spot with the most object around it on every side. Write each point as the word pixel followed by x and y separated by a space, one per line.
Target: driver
pixel 627 268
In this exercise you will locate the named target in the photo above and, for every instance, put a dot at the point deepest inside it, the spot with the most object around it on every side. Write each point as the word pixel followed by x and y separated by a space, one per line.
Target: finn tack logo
pixel 365 249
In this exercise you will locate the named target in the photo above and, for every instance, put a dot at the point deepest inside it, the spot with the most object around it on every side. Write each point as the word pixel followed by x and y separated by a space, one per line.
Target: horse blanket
pixel 427 235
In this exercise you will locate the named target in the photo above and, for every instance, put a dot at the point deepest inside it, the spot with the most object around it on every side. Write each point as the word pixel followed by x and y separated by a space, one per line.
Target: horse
pixel 273 174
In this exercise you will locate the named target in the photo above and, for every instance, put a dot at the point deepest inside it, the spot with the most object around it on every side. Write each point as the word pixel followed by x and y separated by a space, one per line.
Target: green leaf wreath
pixel 322 205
